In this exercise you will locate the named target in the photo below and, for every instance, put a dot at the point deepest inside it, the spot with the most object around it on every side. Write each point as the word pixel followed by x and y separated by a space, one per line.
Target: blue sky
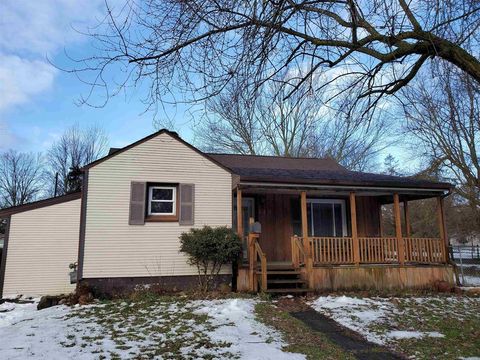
pixel 37 101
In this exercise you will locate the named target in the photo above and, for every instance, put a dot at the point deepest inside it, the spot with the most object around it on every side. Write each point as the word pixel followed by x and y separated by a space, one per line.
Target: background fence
pixel 467 258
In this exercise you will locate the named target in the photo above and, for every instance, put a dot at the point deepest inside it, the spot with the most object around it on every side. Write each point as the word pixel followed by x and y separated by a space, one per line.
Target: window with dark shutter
pixel 137 203
pixel 187 204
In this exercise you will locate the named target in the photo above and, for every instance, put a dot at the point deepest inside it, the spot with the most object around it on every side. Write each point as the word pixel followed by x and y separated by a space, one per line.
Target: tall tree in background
pixel 299 125
pixel 74 149
pixel 231 124
pixel 196 48
pixel 20 178
pixel 444 116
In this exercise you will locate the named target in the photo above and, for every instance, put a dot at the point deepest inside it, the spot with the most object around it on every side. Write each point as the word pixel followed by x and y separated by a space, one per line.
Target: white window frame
pixel 173 201
pixel 332 202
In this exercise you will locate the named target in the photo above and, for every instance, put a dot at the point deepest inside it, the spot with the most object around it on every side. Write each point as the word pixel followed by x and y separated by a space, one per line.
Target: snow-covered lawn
pixel 446 327
pixel 154 328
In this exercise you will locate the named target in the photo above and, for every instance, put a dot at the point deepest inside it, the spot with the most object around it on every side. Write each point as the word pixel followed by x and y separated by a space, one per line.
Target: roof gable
pixel 116 151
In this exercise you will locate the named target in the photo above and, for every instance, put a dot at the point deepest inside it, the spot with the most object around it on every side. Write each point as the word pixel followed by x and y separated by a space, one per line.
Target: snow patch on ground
pixel 26 333
pixel 63 332
pixel 354 313
pixel 362 316
pixel 11 313
pixel 403 334
pixel 235 323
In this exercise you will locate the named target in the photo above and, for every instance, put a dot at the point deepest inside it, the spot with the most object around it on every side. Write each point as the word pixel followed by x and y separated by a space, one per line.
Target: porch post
pixel 239 213
pixel 406 214
pixel 353 216
pixel 398 229
pixel 306 242
pixel 442 225
pixel 303 204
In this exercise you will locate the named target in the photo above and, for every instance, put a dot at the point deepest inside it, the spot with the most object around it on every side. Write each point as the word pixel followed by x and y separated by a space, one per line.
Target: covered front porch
pixel 331 237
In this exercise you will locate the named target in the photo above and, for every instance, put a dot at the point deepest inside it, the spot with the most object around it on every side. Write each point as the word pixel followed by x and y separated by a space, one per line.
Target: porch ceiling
pixel 384 194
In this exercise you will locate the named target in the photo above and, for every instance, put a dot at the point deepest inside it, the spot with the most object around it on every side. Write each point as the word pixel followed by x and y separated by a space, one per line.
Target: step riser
pixel 284 279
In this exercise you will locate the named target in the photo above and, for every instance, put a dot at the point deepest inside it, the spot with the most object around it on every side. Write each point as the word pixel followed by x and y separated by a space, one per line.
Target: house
pixel 320 224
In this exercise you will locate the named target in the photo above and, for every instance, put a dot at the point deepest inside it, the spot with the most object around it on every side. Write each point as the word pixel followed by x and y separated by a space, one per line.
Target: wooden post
pixel 442 225
pixel 406 214
pixel 306 240
pixel 295 261
pixel 264 273
pixel 353 216
pixel 239 213
pixel 303 204
pixel 251 262
pixel 398 229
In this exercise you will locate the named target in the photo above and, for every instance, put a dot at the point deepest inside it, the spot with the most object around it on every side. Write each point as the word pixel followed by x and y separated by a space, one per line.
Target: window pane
pixel 338 220
pixel 323 219
pixel 162 194
pixel 162 207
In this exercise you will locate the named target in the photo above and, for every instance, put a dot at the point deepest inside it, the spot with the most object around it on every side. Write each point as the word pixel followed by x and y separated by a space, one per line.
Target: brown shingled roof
pixel 323 171
pixel 276 162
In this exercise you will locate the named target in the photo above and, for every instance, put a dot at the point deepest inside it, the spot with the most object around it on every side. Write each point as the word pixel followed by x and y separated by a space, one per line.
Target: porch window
pixel 326 217
pixel 162 200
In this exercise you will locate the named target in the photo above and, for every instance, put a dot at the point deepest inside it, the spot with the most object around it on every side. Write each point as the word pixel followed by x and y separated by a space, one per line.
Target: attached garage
pixel 40 242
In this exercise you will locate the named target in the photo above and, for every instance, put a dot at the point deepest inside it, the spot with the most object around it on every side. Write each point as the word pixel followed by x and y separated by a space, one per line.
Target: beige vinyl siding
pixel 113 248
pixel 41 245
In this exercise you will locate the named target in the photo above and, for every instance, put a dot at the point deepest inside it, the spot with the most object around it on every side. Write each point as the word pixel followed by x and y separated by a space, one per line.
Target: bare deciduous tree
pixel 374 47
pixel 20 178
pixel 300 126
pixel 75 148
pixel 443 114
pixel 230 124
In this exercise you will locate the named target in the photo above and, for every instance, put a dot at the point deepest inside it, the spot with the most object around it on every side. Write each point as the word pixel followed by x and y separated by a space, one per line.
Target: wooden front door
pixel 275 215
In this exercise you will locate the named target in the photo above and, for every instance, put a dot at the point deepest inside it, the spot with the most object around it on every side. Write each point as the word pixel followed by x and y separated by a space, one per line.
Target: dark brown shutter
pixel 137 203
pixel 187 204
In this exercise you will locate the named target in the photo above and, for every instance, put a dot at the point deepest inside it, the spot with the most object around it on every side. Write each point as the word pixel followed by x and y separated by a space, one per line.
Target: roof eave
pixel 39 204
pixel 345 184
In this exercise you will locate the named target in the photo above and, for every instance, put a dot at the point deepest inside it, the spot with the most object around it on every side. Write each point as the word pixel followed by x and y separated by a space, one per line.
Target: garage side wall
pixel 42 243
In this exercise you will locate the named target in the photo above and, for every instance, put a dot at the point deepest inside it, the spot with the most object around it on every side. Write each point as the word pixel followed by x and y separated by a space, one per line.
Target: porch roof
pixel 308 171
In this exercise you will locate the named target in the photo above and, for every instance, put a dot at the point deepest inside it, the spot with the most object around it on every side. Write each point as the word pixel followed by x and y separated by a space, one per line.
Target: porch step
pixel 281 272
pixel 283 278
pixel 289 291
pixel 277 266
pixel 286 281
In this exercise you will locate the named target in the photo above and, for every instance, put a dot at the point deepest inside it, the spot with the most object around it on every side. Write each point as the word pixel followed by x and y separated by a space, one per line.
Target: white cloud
pixel 7 138
pixel 29 32
pixel 41 27
pixel 20 79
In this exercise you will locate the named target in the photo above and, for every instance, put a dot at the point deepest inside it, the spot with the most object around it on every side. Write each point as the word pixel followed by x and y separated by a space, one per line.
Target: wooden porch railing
pixel 425 250
pixel 331 250
pixel 255 253
pixel 372 250
pixel 301 255
pixel 298 252
pixel 377 250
